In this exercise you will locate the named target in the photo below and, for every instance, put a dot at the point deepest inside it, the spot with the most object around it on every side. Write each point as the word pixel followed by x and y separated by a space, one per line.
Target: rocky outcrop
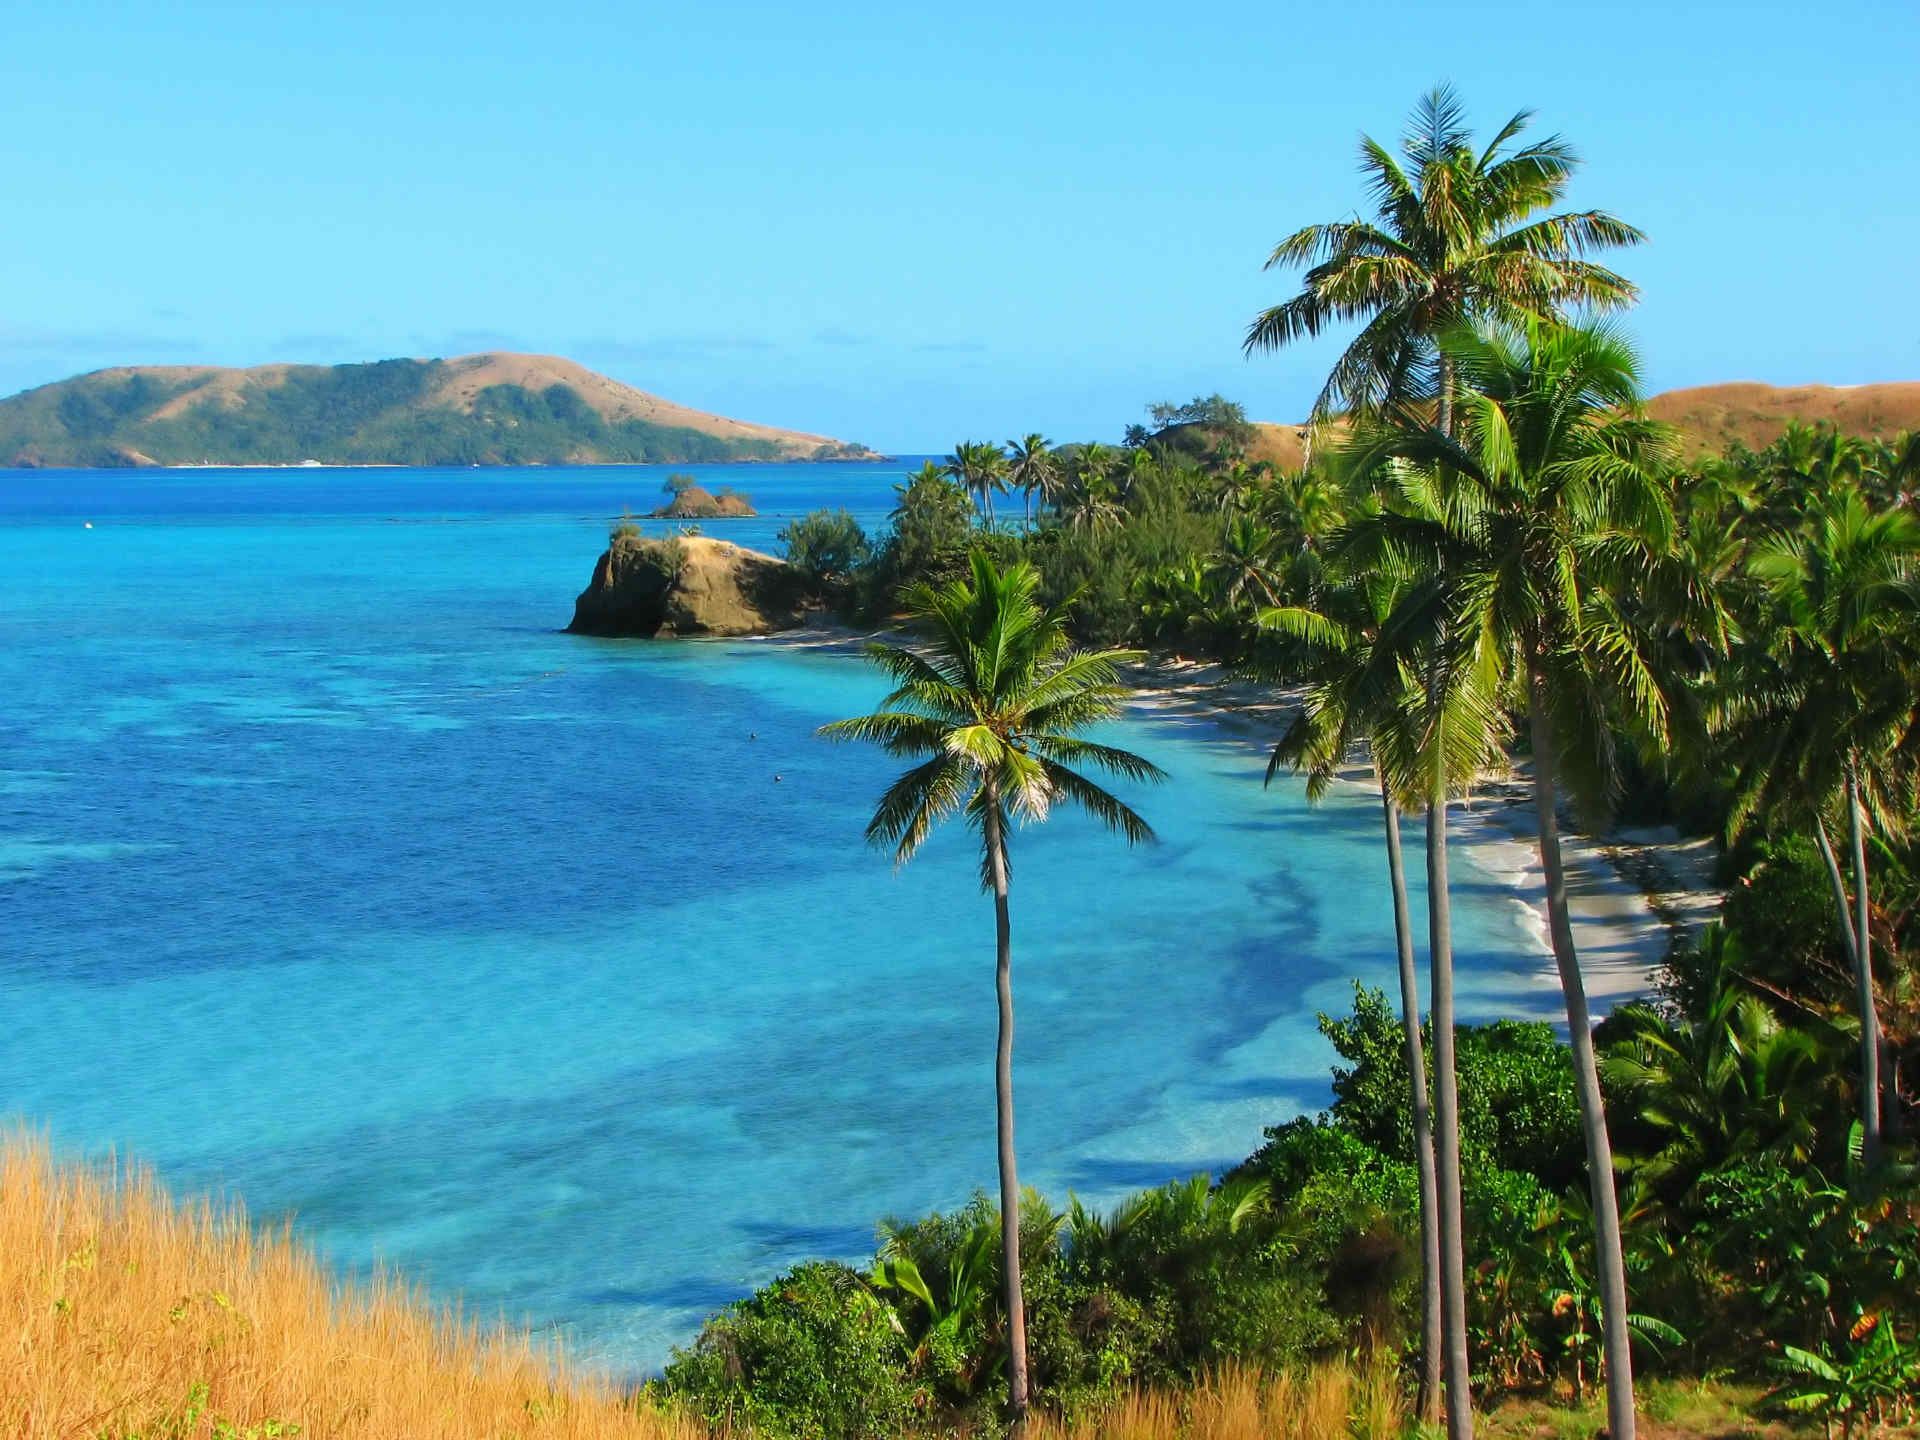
pixel 697 503
pixel 689 585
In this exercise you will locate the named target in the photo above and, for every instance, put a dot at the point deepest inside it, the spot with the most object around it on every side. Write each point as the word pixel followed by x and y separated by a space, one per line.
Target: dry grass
pixel 1330 1402
pixel 468 375
pixel 124 1314
pixel 127 1316
pixel 1711 417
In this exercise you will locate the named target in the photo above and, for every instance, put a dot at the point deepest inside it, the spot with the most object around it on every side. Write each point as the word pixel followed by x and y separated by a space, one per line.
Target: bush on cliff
pixel 828 545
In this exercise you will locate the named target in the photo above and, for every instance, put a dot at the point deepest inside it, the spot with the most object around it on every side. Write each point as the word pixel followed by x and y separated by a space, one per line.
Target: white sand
pixel 1630 893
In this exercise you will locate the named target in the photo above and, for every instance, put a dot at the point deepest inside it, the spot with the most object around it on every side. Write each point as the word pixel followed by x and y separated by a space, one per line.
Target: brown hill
pixel 1712 417
pixel 468 375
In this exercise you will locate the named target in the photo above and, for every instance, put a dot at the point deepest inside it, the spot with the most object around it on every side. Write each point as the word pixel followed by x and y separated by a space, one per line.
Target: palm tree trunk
pixel 1610 1259
pixel 1446 1092
pixel 1432 1345
pixel 1841 904
pixel 1863 978
pixel 1451 1237
pixel 1003 1095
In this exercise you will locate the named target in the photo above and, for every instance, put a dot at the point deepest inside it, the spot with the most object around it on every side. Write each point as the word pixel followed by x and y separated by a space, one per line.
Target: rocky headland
pixel 689 585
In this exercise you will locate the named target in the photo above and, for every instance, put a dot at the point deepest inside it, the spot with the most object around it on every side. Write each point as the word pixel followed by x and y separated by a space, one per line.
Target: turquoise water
pixel 334 877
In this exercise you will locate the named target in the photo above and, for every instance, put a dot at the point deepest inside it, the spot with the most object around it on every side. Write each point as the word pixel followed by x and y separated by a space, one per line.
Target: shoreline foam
pixel 1631 893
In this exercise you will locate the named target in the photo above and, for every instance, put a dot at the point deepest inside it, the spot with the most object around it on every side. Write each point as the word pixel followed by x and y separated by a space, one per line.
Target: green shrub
pixel 828 545
pixel 1518 1110
pixel 1781 913
pixel 816 1355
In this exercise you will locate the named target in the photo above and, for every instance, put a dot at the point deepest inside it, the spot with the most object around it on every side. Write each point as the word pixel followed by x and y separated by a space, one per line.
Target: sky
pixel 909 225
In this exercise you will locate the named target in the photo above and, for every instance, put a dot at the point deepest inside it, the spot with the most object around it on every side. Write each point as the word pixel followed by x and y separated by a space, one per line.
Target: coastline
pixel 1631 892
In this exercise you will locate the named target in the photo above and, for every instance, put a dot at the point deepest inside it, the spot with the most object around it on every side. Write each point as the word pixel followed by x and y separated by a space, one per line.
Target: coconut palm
pixel 1552 537
pixel 1090 500
pixel 1820 711
pixel 1360 694
pixel 982 469
pixel 1031 466
pixel 1434 695
pixel 1458 236
pixel 993 708
pixel 1246 567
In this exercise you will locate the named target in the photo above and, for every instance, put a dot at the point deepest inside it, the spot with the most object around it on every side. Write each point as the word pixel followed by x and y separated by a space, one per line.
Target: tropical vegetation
pixel 1490 558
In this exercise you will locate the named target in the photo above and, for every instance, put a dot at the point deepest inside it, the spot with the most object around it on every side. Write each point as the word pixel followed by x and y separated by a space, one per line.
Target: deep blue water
pixel 334 876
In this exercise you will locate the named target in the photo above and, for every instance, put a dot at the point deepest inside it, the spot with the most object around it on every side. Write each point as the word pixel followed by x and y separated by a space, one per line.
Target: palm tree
pixel 1458 237
pixel 1358 694
pixel 1820 709
pixel 1729 1084
pixel 1031 467
pixel 1090 500
pixel 1552 539
pixel 1244 565
pixel 982 468
pixel 996 704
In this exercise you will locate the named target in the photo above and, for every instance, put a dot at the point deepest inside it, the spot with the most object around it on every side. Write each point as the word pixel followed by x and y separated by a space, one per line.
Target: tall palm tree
pixel 1361 693
pixel 1820 710
pixel 996 704
pixel 1457 236
pixel 982 468
pixel 1031 466
pixel 1553 538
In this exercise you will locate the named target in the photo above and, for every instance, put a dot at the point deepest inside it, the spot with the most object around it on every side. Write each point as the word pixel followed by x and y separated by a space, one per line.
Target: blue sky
pixel 900 224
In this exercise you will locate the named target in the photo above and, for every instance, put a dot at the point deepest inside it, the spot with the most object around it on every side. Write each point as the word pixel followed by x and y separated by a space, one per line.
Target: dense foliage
pixel 1757 1239
pixel 1751 1234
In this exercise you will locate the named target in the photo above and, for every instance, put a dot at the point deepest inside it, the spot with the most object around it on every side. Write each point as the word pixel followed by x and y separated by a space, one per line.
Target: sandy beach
pixel 1631 892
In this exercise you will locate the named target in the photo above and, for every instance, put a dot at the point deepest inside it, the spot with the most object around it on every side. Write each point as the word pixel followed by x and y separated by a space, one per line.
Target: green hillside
pixel 398 412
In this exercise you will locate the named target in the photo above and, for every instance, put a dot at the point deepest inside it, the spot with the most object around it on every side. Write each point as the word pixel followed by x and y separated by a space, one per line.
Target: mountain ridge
pixel 486 408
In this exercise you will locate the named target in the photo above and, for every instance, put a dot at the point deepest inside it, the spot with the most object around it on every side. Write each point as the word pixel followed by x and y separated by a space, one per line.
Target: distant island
pixel 487 409
pixel 693 501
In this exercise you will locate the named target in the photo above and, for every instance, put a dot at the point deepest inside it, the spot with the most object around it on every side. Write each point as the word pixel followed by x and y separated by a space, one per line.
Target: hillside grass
pixel 125 1314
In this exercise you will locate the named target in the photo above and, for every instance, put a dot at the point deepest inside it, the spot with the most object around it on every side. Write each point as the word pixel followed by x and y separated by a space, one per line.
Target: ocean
pixel 334 878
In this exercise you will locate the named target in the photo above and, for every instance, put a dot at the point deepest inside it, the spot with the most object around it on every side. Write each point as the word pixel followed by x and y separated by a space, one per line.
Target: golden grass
pixel 1711 417
pixel 124 1314
pixel 1329 1402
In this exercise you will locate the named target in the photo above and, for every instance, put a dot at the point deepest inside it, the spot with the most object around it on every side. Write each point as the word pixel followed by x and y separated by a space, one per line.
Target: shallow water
pixel 334 877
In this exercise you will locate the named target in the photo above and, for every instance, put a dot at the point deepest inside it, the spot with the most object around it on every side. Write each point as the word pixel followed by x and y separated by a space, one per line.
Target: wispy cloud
pixel 668 347
pixel 120 346
pixel 300 347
